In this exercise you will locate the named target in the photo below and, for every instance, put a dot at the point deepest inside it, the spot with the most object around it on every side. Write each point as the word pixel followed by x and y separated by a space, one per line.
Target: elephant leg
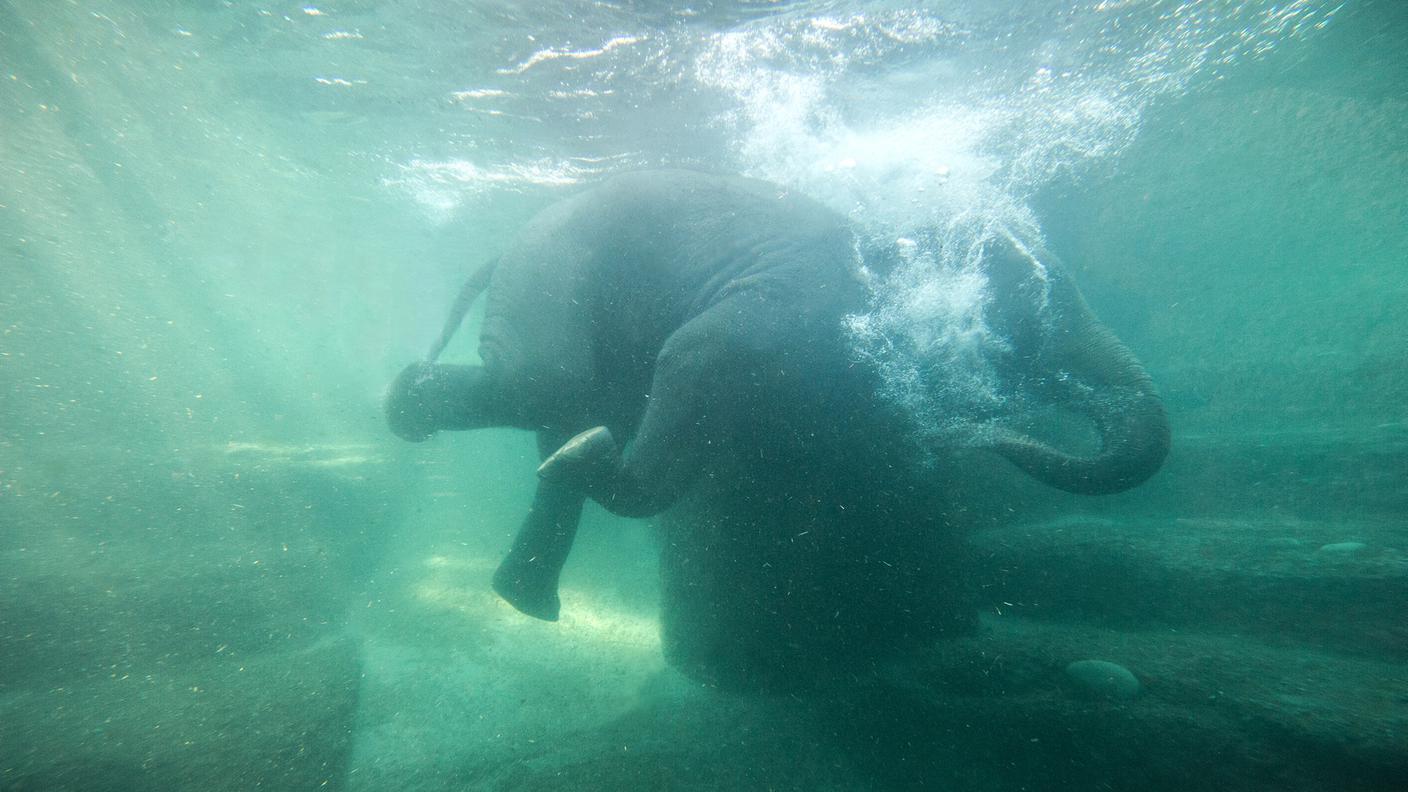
pixel 700 374
pixel 528 576
pixel 428 397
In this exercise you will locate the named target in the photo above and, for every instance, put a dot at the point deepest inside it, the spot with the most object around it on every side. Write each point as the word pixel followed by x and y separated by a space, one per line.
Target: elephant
pixel 677 341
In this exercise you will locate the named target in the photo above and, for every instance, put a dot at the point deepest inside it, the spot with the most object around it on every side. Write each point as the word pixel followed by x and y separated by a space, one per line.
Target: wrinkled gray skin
pixel 654 324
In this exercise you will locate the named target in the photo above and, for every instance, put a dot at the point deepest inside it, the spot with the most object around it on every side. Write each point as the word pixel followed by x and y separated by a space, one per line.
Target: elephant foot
pixel 529 586
pixel 587 463
pixel 407 410
pixel 428 397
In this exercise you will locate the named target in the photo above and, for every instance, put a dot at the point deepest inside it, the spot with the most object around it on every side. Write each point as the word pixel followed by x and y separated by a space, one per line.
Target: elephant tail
pixel 1097 376
pixel 473 287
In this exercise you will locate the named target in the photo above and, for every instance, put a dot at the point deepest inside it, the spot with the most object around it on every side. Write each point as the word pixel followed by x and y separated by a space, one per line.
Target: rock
pixel 1101 679
pixel 272 720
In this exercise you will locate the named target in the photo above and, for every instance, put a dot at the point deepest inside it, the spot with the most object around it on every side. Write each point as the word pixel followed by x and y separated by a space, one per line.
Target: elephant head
pixel 1081 365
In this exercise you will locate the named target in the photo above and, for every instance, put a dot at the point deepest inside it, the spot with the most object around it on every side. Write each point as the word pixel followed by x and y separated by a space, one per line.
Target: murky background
pixel 225 226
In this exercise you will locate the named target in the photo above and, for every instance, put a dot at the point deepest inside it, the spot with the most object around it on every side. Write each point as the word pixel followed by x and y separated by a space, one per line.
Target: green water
pixel 224 227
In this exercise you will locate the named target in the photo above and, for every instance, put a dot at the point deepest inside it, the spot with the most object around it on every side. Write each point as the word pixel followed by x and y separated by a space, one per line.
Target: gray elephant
pixel 677 342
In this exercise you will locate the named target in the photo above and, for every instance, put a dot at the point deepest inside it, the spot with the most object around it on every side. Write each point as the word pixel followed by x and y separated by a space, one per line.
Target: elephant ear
pixel 1080 364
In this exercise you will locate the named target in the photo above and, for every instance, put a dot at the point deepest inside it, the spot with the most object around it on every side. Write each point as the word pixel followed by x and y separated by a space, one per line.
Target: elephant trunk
pixel 1102 379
